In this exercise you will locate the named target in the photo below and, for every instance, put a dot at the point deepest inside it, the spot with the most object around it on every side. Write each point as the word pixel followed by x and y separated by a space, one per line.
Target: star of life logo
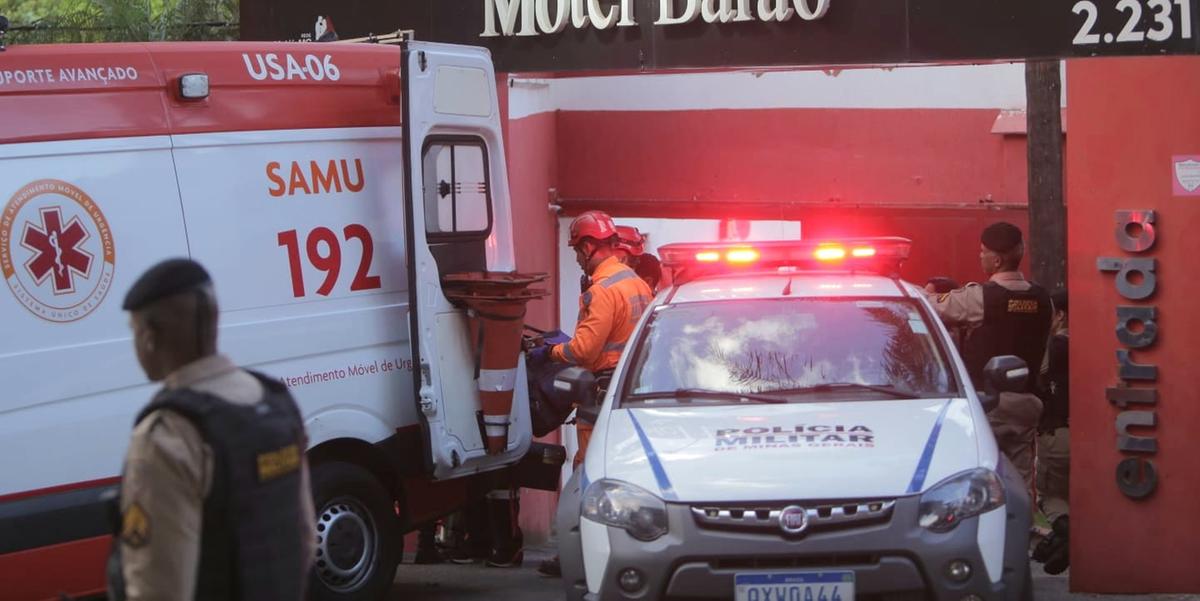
pixel 56 250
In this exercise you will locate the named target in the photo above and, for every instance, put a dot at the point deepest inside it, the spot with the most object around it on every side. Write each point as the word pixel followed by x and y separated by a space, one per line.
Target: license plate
pixel 795 586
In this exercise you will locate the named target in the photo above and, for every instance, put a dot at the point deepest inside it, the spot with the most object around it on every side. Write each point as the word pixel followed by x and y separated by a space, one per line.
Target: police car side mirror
pixel 1006 373
pixel 577 384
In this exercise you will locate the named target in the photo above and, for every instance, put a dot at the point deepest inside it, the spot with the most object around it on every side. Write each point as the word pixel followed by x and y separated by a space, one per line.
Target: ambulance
pixel 791 422
pixel 327 188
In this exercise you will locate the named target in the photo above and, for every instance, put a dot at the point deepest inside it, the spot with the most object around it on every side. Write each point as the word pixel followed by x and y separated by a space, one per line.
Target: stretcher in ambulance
pixel 328 189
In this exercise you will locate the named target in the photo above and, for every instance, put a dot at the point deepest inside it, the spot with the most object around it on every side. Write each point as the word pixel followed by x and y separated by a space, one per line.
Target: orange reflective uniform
pixel 608 312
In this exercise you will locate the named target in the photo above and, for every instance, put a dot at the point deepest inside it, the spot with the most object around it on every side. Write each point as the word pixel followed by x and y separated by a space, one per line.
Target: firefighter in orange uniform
pixel 608 310
pixel 647 266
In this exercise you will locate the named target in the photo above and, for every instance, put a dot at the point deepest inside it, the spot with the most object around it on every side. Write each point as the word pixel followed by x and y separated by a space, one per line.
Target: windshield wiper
pixel 701 393
pixel 889 390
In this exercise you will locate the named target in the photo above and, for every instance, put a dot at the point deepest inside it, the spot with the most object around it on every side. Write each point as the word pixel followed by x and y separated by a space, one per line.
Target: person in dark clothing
pixel 1054 443
pixel 214 438
pixel 1007 315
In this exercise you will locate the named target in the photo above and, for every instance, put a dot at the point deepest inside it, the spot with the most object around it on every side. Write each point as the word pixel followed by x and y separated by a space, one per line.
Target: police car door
pixel 459 221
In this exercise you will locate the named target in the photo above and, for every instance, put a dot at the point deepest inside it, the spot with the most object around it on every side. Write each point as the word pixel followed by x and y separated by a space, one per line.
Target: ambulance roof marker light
pixel 193 86
pixel 708 256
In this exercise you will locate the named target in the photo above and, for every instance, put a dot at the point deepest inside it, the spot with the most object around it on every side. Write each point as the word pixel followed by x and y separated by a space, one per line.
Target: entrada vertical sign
pixel 1137 330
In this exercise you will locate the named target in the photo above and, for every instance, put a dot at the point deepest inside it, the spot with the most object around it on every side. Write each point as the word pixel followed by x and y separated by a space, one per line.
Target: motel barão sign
pixel 641 35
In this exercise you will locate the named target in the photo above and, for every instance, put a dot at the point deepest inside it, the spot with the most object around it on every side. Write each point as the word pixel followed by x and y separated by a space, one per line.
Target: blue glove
pixel 555 337
pixel 540 355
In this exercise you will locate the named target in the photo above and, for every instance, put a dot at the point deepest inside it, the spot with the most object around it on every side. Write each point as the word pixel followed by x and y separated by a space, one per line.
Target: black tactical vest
pixel 251 543
pixel 1014 323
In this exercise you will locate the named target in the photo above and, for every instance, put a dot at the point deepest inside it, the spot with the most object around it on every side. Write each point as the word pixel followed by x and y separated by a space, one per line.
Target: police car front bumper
pixel 892 559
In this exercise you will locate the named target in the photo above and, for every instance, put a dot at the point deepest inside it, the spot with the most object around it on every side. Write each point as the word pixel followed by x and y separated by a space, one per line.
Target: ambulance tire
pixel 359 543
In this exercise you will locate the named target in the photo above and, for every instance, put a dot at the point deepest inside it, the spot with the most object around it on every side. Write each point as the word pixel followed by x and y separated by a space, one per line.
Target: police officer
pixel 214 501
pixel 1007 315
pixel 608 311
pixel 1054 444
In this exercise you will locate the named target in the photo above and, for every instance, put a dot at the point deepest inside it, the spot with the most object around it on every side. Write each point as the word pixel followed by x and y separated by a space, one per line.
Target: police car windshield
pixel 801 350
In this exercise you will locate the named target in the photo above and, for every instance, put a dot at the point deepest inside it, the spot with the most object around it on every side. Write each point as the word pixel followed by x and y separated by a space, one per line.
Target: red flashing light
pixel 878 255
pixel 830 253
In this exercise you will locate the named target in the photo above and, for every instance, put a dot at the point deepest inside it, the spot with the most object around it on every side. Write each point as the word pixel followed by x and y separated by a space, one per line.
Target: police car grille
pixel 766 517
pixel 771 563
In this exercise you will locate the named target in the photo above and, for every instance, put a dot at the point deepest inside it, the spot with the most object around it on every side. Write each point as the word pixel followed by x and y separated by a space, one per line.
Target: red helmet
pixel 592 224
pixel 630 239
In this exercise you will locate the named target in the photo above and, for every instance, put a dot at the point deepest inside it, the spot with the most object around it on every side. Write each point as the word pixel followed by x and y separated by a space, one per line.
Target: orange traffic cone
pixel 496 304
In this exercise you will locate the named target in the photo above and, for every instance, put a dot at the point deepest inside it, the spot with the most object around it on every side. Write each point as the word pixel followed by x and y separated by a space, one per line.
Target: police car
pixel 791 422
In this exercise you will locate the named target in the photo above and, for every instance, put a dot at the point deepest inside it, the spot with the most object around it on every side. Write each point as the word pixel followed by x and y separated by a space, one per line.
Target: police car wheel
pixel 358 541
pixel 1027 585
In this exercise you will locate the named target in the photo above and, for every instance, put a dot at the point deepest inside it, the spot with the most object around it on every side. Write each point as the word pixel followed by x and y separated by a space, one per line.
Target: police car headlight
pixel 959 497
pixel 625 506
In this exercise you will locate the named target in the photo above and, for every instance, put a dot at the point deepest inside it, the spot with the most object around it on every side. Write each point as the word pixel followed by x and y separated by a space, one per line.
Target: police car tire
pixel 1027 584
pixel 337 480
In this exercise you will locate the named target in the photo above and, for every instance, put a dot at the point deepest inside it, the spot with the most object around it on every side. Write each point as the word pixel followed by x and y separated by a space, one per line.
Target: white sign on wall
pixel 535 17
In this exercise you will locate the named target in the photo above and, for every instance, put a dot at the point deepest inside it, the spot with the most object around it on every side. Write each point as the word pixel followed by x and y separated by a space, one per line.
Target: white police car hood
pixel 799 451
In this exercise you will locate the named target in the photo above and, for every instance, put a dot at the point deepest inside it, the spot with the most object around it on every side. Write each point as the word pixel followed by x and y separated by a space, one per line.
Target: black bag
pixel 548 408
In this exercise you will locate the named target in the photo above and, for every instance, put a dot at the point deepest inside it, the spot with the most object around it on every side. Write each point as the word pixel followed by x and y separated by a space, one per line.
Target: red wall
pixel 918 173
pixel 886 156
pixel 532 170
pixel 1128 117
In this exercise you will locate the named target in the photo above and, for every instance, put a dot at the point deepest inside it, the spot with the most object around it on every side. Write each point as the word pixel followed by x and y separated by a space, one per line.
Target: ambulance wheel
pixel 358 538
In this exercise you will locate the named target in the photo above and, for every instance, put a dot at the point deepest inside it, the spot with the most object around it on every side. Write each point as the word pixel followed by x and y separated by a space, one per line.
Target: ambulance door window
pixel 457 197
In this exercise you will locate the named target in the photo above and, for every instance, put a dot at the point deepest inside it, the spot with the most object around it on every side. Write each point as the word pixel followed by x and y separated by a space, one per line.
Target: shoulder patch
pixel 941 298
pixel 135 526
pixel 279 462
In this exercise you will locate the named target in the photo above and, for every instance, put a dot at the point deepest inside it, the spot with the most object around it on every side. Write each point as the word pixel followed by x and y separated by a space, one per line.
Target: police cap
pixel 1001 237
pixel 165 279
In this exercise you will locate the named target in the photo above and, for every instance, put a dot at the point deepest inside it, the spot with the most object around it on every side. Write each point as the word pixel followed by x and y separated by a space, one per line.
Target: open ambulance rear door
pixel 459 220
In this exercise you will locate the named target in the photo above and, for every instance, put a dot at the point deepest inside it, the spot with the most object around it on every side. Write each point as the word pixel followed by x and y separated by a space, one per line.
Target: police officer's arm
pixel 592 331
pixel 162 501
pixel 959 307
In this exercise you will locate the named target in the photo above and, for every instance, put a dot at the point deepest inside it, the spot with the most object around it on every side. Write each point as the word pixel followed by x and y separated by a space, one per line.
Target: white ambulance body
pixel 326 224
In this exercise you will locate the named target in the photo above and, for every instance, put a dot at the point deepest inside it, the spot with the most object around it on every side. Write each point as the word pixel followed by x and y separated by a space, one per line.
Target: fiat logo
pixel 793 519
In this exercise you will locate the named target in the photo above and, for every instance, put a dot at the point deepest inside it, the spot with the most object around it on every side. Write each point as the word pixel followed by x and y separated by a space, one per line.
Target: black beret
pixel 165 279
pixel 1001 237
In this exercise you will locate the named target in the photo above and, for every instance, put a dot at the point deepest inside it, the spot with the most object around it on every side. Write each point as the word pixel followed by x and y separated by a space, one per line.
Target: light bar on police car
pixel 880 255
